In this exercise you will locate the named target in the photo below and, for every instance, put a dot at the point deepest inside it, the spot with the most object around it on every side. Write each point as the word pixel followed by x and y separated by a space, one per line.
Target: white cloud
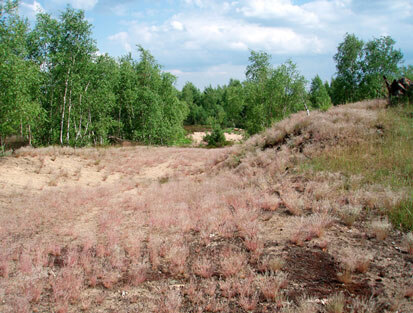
pixel 31 9
pixel 281 9
pixel 218 75
pixel 120 10
pixel 79 4
pixel 123 39
pixel 212 5
pixel 198 3
pixel 206 32
pixel 177 25
pixel 98 53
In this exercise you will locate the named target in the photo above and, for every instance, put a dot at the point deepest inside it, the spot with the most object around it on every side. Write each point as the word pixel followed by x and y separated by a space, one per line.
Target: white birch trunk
pixel 62 119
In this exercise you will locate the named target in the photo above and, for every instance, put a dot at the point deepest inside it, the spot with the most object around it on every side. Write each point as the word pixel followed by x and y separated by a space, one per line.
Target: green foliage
pixel 204 108
pixel 65 51
pixel 273 97
pixel 192 97
pixel 361 66
pixel 402 214
pixel 84 98
pixel 259 67
pixel 234 104
pixel 407 71
pixel 268 94
pixel 160 114
pixel 216 138
pixel 182 142
pixel 56 89
pixel 319 97
pixel 149 108
pixel 348 58
pixel 380 58
pixel 19 92
pixel 99 99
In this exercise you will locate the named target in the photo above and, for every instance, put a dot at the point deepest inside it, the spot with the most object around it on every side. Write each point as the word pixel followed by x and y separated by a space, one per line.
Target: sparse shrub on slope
pixel 343 126
pixel 369 147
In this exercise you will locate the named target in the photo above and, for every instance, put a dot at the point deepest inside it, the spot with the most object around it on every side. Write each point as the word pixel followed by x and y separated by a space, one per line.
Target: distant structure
pixel 398 87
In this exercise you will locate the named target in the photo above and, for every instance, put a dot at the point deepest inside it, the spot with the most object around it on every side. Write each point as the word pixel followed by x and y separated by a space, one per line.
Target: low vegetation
pixel 385 159
pixel 257 227
pixel 216 138
pixel 311 213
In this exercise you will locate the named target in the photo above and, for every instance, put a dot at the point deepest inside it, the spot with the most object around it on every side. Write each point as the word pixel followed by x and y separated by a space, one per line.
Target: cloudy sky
pixel 207 42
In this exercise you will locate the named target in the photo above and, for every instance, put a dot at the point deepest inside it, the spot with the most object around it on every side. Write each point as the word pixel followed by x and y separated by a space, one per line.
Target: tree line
pixel 269 94
pixel 55 88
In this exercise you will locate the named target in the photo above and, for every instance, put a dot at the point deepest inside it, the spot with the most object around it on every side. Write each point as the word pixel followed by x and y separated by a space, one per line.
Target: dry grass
pixel 408 242
pixel 353 260
pixel 336 304
pixel 349 214
pixel 381 158
pixel 380 228
pixel 191 230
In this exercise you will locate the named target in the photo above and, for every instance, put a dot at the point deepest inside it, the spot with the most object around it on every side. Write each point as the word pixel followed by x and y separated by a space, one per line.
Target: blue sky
pixel 207 42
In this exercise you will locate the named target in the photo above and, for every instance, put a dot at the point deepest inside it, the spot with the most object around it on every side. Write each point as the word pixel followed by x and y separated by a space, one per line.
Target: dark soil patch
pixel 315 272
pixel 190 129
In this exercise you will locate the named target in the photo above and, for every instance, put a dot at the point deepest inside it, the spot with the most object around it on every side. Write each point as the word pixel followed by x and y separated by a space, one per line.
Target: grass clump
pixel 402 214
pixel 182 142
pixel 336 304
pixel 408 242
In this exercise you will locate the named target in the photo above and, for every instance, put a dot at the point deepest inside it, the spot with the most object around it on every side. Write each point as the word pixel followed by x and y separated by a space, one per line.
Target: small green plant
pixel 182 142
pixel 164 179
pixel 336 303
pixel 402 214
pixel 216 138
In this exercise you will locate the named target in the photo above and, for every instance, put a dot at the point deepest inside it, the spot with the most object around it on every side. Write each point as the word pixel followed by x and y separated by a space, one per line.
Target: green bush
pixel 216 138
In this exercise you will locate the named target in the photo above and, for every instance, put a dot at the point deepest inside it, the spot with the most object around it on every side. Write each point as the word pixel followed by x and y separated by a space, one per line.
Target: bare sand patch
pixel 197 137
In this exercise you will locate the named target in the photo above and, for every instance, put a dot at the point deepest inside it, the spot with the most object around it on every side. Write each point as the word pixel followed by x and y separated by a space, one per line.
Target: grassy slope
pixel 289 221
pixel 385 159
pixel 369 147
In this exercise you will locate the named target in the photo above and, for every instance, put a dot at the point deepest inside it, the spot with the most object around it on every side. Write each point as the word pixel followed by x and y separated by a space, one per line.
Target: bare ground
pixel 147 229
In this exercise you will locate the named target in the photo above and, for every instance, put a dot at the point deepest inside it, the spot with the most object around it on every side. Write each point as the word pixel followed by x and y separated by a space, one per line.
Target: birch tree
pixel 19 106
pixel 64 51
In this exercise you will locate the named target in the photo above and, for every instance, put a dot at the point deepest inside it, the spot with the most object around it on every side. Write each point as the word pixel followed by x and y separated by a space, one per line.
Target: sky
pixel 208 42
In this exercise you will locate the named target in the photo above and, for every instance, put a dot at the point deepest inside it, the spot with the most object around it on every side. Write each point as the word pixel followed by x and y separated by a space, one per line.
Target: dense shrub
pixel 216 138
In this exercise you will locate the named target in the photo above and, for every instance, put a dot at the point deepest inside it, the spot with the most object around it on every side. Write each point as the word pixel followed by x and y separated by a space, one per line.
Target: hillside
pixel 296 219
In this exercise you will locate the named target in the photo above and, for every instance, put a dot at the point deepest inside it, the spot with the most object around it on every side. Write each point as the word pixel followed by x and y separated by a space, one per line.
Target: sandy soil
pixel 197 137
